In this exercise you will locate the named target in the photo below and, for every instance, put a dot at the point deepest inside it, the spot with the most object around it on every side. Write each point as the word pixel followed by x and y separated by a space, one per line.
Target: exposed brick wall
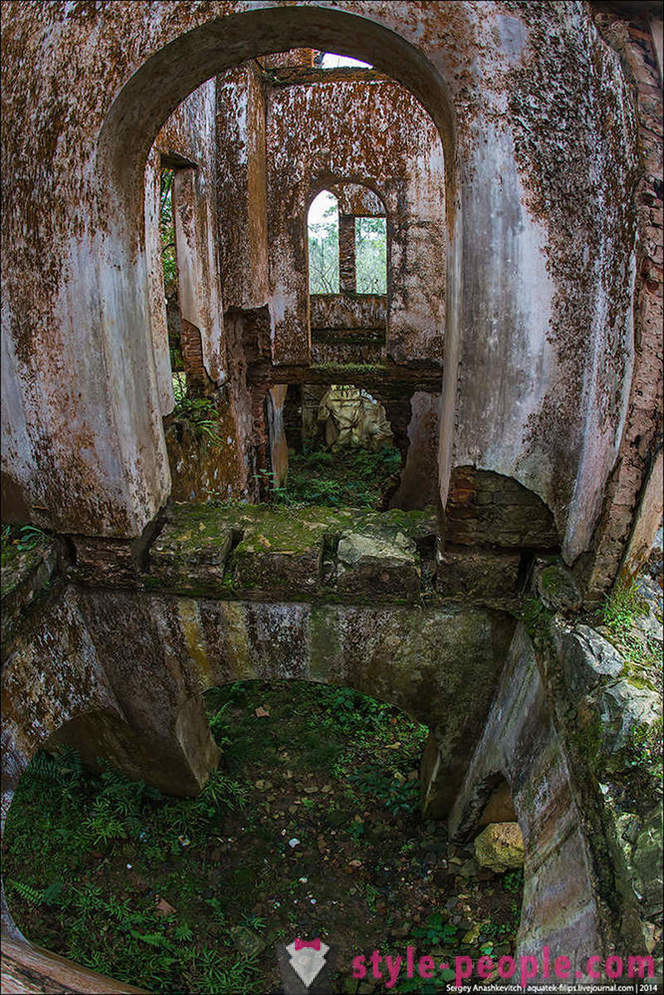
pixel 487 509
pixel 192 355
pixel 643 427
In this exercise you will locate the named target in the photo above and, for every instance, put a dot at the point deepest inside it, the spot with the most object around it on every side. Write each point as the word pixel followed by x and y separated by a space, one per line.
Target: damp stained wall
pixel 537 114
pixel 371 131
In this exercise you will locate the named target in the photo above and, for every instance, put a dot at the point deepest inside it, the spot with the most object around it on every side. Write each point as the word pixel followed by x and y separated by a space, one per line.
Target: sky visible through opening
pixel 322 203
pixel 332 61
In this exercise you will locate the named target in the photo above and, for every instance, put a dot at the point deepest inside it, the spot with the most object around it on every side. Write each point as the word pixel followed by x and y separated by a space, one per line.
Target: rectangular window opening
pixel 371 255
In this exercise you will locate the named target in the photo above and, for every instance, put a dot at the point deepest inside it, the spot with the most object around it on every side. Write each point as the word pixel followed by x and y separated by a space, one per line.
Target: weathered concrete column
pixel 106 694
pixel 562 907
pixel 398 411
pixel 276 400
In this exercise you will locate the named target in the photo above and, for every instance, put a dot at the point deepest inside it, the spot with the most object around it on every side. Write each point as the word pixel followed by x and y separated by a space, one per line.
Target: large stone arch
pixel 152 93
pixel 85 449
pixel 97 313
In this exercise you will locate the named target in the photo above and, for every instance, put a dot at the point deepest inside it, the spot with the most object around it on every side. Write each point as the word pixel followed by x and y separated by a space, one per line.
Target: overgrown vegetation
pixel 622 609
pixel 196 414
pixel 642 758
pixel 167 231
pixel 352 476
pixel 20 539
pixel 310 829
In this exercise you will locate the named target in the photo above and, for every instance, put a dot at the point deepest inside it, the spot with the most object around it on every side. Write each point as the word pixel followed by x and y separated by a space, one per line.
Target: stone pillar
pixel 398 413
pixel 419 481
pixel 276 401
pixel 347 253
pixel 176 759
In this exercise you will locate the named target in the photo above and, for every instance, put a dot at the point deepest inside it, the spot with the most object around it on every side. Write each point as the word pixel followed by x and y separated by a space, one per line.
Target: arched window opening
pixel 235 269
pixel 323 240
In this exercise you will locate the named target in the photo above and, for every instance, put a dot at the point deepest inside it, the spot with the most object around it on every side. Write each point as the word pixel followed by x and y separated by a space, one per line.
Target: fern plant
pixel 29 894
pixel 199 415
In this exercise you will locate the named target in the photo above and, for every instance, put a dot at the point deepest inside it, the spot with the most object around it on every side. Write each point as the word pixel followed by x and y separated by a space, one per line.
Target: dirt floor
pixel 310 828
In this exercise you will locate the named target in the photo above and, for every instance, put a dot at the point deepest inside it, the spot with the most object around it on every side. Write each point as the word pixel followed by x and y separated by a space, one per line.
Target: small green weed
pixel 622 607
pixel 199 415
pixel 513 881
pixel 395 795
pixel 435 931
pixel 20 539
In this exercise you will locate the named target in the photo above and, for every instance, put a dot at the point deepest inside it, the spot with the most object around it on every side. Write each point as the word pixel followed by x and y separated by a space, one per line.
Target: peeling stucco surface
pixel 538 162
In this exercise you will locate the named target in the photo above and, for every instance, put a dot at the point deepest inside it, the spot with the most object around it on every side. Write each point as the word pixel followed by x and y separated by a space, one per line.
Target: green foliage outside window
pixel 167 232
pixel 371 255
pixel 324 246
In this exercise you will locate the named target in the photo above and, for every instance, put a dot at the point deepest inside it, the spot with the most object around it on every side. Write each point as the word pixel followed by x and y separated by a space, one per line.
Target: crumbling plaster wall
pixel 242 173
pixel 370 131
pixel 627 494
pixel 538 131
pixel 187 142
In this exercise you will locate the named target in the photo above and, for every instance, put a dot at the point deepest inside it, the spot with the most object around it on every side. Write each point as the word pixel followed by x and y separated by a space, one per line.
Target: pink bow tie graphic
pixel 314 944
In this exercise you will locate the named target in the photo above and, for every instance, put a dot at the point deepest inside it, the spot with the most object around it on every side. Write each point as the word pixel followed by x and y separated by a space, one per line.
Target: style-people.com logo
pixel 307 958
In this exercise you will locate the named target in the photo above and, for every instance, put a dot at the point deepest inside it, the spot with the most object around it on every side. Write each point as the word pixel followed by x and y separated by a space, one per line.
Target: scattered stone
pixel 588 658
pixel 378 564
pixel 246 941
pixel 557 587
pixel 623 708
pixel 500 847
pixel 472 935
pixel 163 907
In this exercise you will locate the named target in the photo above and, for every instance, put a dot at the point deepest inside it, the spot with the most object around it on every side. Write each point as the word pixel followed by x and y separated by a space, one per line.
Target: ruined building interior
pixel 331 394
